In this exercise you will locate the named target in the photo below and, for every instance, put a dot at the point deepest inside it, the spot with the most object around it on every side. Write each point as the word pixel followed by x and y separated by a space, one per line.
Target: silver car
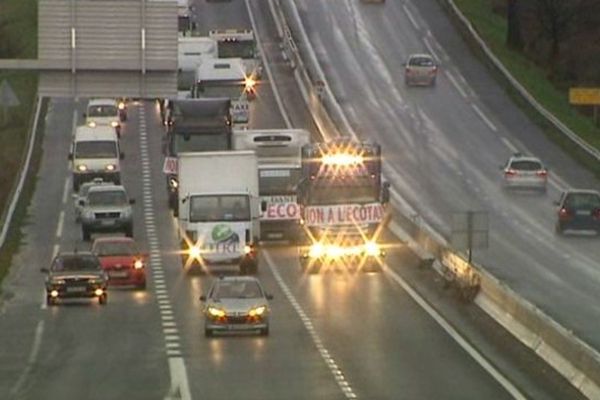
pixel 106 208
pixel 79 197
pixel 420 69
pixel 236 303
pixel 524 172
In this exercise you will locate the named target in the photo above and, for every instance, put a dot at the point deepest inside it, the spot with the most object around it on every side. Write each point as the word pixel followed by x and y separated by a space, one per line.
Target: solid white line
pixel 343 383
pixel 55 250
pixel 430 48
pixel 43 305
pixel 66 190
pixel 37 340
pixel 508 144
pixel 179 379
pixel 456 84
pixel 485 119
pixel 485 364
pixel 411 18
pixel 61 221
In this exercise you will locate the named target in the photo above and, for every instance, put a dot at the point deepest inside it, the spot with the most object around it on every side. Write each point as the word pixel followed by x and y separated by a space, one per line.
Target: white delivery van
pixel 219 208
pixel 239 43
pixel 95 153
pixel 103 112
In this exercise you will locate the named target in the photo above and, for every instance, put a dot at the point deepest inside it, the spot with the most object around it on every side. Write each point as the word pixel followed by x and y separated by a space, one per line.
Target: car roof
pixel 582 191
pixel 87 133
pixel 420 55
pixel 525 158
pixel 102 102
pixel 75 253
pixel 106 188
pixel 112 239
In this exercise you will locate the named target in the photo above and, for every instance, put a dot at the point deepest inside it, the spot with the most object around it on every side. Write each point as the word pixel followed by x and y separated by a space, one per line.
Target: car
pixel 82 193
pixel 578 209
pixel 106 208
pixel 122 260
pixel 103 112
pixel 420 69
pixel 75 275
pixel 524 172
pixel 236 303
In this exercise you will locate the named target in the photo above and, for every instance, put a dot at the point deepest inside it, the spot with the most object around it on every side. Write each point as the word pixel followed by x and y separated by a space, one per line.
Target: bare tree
pixel 514 39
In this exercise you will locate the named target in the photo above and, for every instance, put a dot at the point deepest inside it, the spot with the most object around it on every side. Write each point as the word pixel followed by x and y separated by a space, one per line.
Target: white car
pixel 524 172
pixel 80 196
pixel 420 69
pixel 103 112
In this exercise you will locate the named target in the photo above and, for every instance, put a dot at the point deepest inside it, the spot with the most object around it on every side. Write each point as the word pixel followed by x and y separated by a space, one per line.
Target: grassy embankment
pixel 492 28
pixel 18 39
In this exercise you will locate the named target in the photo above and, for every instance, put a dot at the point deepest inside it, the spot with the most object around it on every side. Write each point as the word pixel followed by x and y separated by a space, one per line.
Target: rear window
pixel 526 165
pixel 582 200
pixel 421 62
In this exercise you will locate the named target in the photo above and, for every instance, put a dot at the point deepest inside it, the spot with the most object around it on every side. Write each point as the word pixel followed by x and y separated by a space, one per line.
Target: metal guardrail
pixel 560 348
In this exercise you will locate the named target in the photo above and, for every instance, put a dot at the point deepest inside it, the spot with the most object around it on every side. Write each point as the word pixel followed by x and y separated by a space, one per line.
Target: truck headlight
pixel 114 124
pixel 110 167
pixel 316 250
pixel 195 252
pixel 92 124
pixel 82 168
pixel 216 312
pixel 257 311
pixel 372 249
pixel 248 249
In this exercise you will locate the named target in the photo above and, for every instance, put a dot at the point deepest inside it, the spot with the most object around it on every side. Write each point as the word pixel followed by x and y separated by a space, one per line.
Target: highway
pixel 333 335
pixel 445 146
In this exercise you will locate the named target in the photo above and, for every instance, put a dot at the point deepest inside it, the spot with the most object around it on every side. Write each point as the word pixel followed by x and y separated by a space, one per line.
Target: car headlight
pixel 121 105
pixel 316 250
pixel 138 264
pixel 372 249
pixel 257 311
pixel 173 183
pixel 114 124
pixel 248 249
pixel 82 168
pixel 110 167
pixel 92 124
pixel 216 312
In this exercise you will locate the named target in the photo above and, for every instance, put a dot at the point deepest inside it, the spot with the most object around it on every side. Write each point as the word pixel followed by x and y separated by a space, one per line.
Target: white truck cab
pixel 239 43
pixel 95 153
pixel 103 112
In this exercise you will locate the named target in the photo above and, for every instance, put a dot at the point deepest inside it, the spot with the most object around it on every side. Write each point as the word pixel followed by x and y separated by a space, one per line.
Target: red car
pixel 124 263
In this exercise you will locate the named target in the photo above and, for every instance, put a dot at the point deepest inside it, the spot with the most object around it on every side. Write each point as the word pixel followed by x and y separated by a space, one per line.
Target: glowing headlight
pixel 258 311
pixel 249 84
pixel 372 249
pixel 248 249
pixel 216 312
pixel 194 251
pixel 54 293
pixel 92 124
pixel 114 124
pixel 335 251
pixel 342 159
pixel 138 264
pixel 82 168
pixel 121 105
pixel 110 167
pixel 98 292
pixel 174 183
pixel 316 250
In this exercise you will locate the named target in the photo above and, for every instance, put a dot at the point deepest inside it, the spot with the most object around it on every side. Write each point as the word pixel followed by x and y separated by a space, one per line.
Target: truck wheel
pixel 86 234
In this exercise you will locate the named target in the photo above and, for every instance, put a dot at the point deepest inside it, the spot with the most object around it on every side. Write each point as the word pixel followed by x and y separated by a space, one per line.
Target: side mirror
pixel 269 296
pixel 70 157
pixel 131 201
pixel 263 206
pixel 203 298
pixel 385 193
pixel 121 155
pixel 44 270
pixel 81 203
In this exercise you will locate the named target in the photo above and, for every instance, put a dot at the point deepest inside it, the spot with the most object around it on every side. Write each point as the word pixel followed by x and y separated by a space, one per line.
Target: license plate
pixel 76 289
pixel 108 222
pixel 583 212
pixel 117 274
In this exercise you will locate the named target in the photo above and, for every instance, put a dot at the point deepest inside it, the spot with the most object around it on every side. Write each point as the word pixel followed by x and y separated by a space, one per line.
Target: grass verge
pixel 492 29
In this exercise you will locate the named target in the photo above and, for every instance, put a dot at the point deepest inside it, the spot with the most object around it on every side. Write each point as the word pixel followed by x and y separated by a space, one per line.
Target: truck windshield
pixel 96 149
pixel 278 181
pixel 217 208
pixel 102 111
pixel 200 142
pixel 236 48
pixel 342 195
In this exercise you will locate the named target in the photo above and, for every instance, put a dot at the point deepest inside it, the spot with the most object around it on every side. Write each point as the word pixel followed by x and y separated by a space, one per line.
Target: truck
pixel 219 209
pixel 239 43
pixel 191 50
pixel 193 126
pixel 221 77
pixel 342 201
pixel 279 171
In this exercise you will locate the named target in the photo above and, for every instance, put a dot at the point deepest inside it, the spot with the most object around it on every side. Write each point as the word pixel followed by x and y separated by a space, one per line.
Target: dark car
pixel 578 210
pixel 75 275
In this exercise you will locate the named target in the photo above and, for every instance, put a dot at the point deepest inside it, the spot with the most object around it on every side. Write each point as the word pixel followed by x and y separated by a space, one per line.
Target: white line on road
pixel 179 381
pixel 471 351
pixel 37 341
pixel 55 250
pixel 66 190
pixel 454 82
pixel 431 50
pixel 484 117
pixel 509 144
pixel 342 383
pixel 411 18
pixel 61 222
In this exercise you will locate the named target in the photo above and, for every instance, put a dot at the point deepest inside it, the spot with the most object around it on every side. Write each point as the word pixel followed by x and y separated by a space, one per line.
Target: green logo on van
pixel 221 233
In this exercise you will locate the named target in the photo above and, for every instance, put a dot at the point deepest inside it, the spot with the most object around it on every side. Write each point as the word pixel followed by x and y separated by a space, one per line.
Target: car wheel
pixel 103 299
pixel 208 332
pixel 86 234
pixel 264 331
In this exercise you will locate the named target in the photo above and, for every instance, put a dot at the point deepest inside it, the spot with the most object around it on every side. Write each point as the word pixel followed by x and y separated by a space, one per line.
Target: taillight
pixel 564 213
pixel 510 172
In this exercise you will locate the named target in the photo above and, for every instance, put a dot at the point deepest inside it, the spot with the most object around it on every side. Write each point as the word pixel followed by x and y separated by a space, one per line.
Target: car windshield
pixel 75 263
pixel 421 62
pixel 96 149
pixel 117 248
pixel 107 198
pixel 219 208
pixel 526 165
pixel 236 48
pixel 237 290
pixel 200 142
pixel 278 181
pixel 587 201
pixel 102 111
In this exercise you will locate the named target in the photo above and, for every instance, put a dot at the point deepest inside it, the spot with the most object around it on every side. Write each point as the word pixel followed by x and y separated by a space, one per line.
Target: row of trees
pixel 561 35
